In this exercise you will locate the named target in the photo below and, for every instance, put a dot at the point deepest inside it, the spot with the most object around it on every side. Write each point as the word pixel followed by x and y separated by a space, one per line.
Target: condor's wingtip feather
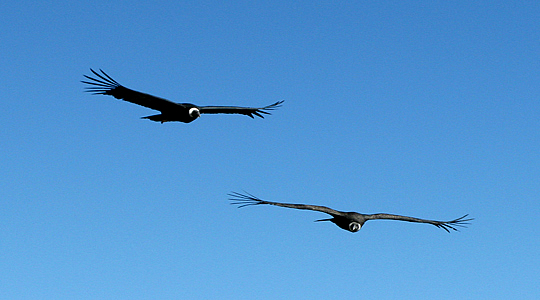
pixel 459 222
pixel 108 77
pixel 243 200
pixel 102 79
pixel 260 112
pixel 275 105
pixel 104 76
pixel 98 83
pixel 102 84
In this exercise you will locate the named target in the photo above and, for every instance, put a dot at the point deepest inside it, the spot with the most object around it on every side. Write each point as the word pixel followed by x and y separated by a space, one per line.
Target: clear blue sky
pixel 422 108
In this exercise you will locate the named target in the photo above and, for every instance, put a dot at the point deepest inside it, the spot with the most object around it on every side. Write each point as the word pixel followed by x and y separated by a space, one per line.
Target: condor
pixel 350 221
pixel 103 84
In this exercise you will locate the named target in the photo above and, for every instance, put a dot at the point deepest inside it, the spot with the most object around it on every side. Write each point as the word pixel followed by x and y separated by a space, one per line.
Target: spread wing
pixel 446 225
pixel 247 199
pixel 248 111
pixel 103 84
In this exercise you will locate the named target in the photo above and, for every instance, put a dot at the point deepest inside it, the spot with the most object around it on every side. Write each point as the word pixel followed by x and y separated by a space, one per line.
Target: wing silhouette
pixel 248 111
pixel 247 199
pixel 446 225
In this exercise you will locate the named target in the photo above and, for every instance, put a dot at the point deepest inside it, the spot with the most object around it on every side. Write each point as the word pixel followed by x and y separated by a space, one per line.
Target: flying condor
pixel 103 84
pixel 350 221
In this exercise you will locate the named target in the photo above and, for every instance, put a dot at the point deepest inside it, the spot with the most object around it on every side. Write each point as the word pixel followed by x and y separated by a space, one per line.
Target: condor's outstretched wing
pixel 103 84
pixel 248 111
pixel 247 199
pixel 446 225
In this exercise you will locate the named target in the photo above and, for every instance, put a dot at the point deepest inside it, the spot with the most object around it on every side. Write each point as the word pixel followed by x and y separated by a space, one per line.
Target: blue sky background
pixel 422 108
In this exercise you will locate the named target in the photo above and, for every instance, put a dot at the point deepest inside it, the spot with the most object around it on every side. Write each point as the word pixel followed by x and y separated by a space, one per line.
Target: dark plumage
pixel 350 221
pixel 103 84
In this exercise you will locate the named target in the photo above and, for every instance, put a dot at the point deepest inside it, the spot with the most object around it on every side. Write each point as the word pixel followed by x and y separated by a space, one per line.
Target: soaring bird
pixel 350 221
pixel 103 84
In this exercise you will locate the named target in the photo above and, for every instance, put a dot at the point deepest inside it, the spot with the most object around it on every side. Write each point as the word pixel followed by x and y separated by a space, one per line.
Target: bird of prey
pixel 350 221
pixel 103 84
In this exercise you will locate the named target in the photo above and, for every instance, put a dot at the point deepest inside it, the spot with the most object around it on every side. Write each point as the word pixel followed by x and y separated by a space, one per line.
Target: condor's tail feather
pixel 155 118
pixel 323 220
